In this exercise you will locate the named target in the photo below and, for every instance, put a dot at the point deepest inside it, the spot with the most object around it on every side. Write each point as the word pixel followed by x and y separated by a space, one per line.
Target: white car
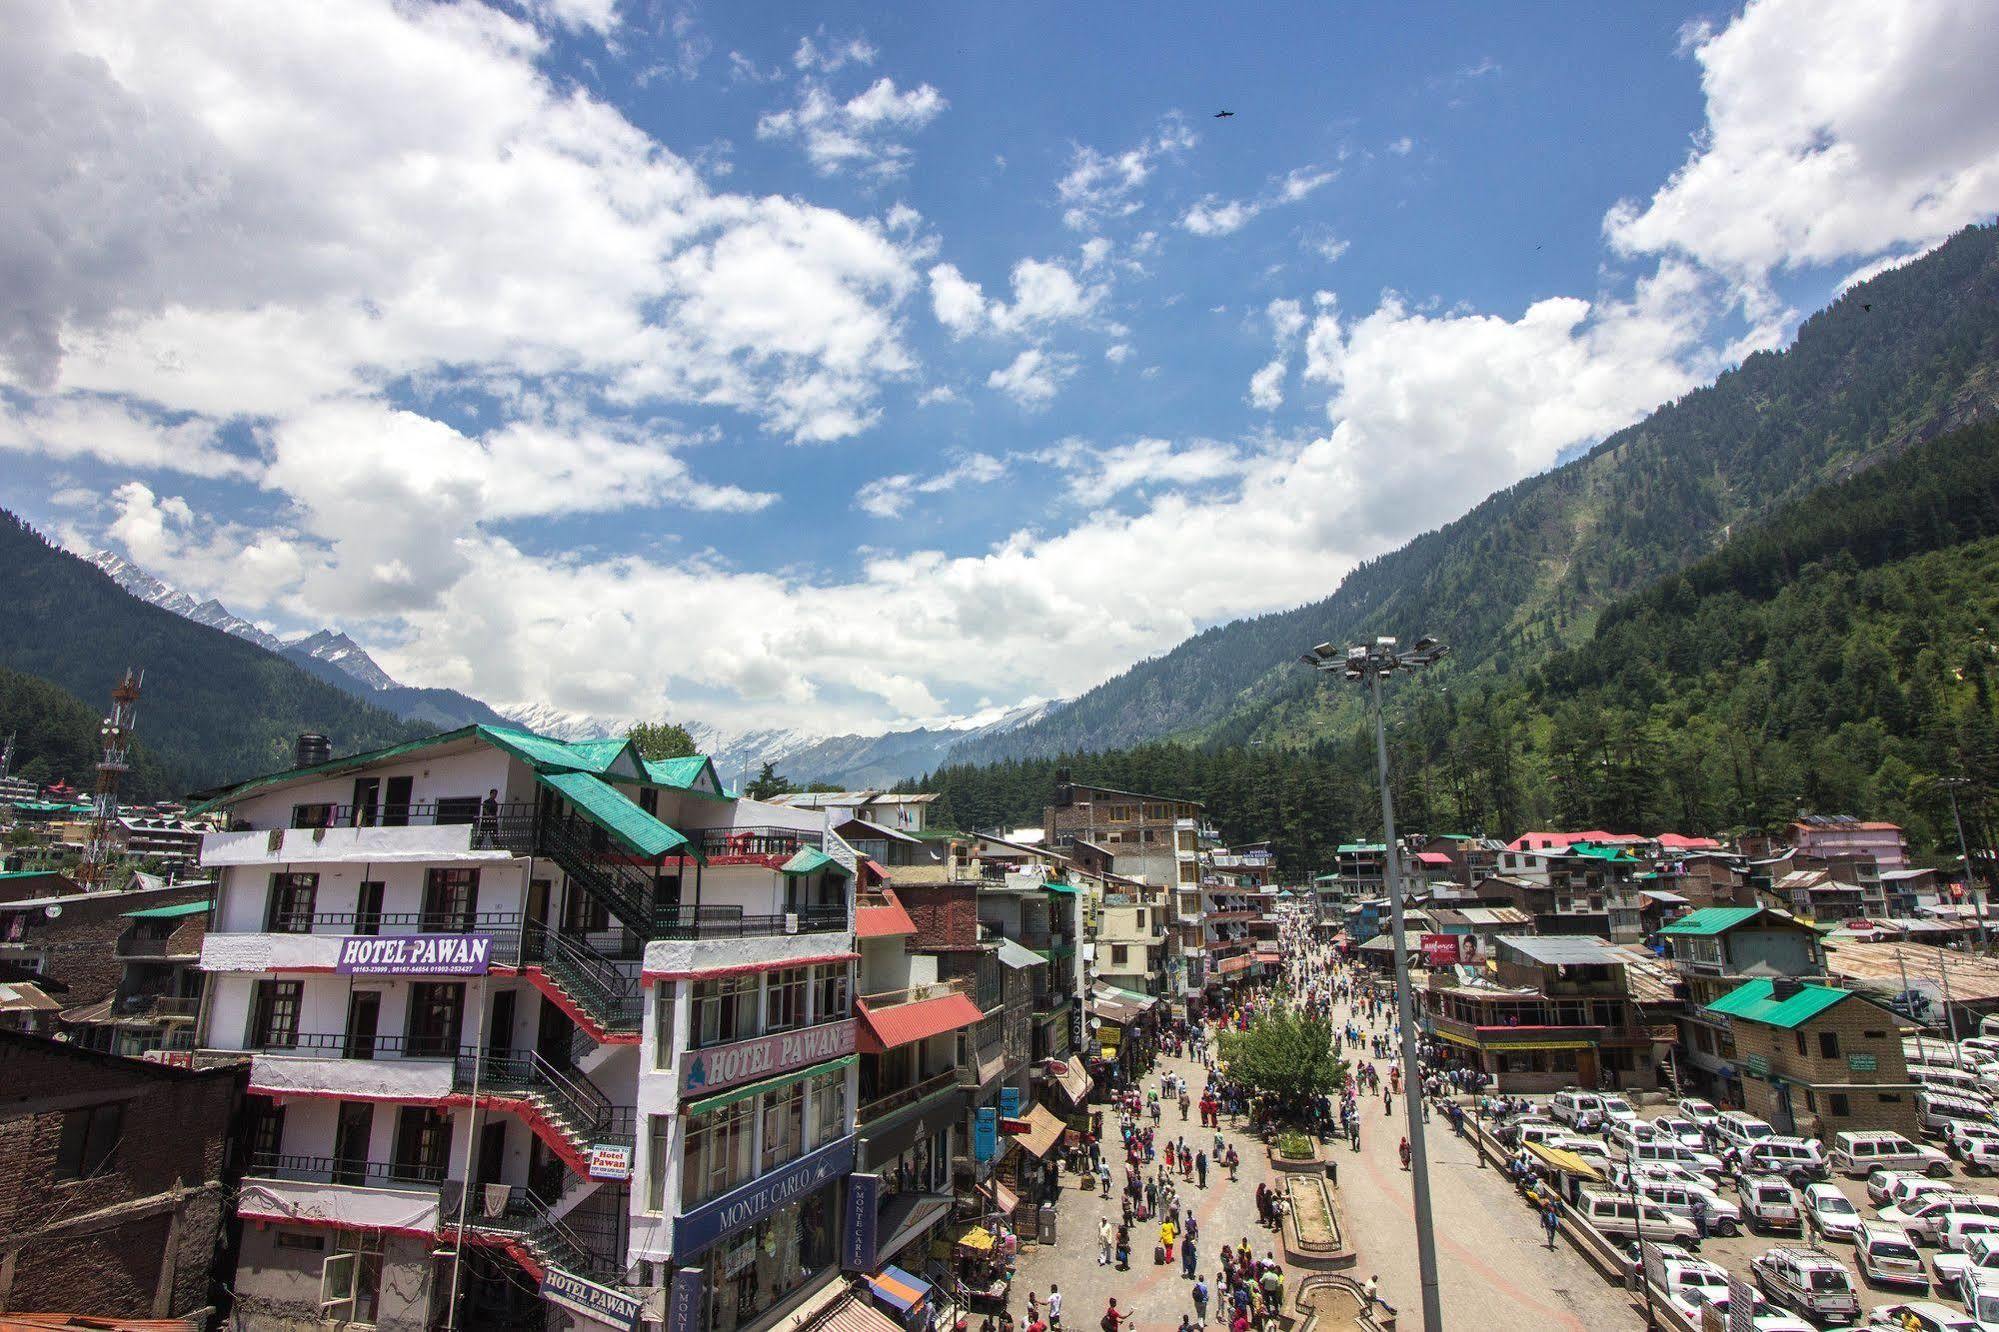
pixel 1683 1131
pixel 1765 1318
pixel 1831 1213
pixel 1921 1316
pixel 1975 1144
pixel 1980 1293
pixel 1703 1113
pixel 1887 1256
pixel 1693 1282
pixel 1925 1218
pixel 1980 1259
pixel 1907 1190
pixel 1616 1109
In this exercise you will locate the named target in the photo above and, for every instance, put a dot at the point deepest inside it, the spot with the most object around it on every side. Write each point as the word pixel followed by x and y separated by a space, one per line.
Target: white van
pixel 1615 1216
pixel 1936 1111
pixel 1661 1152
pixel 1955 1080
pixel 1768 1203
pixel 1888 1257
pixel 1736 1129
pixel 1580 1110
pixel 1796 1159
pixel 1930 1052
pixel 1989 1025
pixel 1809 1281
pixel 1861 1152
pixel 1925 1218
pixel 1724 1218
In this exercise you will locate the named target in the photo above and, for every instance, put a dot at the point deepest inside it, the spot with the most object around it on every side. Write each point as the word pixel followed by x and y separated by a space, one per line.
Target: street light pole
pixel 1951 784
pixel 1371 663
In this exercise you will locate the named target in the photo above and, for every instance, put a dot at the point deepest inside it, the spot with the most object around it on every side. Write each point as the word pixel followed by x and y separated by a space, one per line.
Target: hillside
pixel 55 736
pixel 1838 657
pixel 216 707
pixel 1911 354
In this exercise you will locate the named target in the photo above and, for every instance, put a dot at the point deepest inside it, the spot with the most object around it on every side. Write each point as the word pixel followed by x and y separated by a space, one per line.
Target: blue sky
pixel 839 367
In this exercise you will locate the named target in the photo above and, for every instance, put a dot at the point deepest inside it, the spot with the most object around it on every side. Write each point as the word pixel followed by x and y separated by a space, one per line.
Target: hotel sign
pixel 598 1303
pixel 760 1057
pixel 415 955
pixel 698 1229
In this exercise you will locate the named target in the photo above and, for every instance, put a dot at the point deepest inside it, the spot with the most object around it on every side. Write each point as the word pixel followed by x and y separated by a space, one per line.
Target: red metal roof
pixel 882 922
pixel 1432 858
pixel 889 1028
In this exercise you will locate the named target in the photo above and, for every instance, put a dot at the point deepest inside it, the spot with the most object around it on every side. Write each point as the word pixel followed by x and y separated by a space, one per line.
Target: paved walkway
pixel 1159 1296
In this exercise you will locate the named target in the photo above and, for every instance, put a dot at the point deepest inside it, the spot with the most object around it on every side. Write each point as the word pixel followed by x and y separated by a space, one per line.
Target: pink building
pixel 1838 837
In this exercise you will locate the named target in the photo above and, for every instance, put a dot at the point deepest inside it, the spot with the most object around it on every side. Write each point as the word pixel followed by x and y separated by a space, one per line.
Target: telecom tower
pixel 116 735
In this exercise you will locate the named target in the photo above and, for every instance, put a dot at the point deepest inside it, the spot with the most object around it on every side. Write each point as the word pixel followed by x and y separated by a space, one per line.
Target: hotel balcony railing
pixel 758 841
pixel 354 1045
pixel 158 1006
pixel 353 1173
pixel 714 922
pixel 510 827
pixel 916 994
pixel 889 1102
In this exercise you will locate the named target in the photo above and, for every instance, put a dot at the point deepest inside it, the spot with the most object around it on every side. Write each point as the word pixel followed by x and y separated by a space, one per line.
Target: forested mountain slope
pixel 1911 354
pixel 215 707
pixel 1841 656
pixel 55 736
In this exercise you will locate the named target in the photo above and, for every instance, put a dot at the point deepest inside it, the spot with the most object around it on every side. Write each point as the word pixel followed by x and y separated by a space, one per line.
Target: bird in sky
pixel 1223 115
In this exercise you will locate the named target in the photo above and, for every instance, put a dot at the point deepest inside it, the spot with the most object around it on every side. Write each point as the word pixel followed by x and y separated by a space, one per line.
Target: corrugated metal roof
pixel 1755 1001
pixel 638 831
pixel 882 922
pixel 1563 950
pixel 891 1028
pixel 168 912
pixel 1019 957
pixel 1712 920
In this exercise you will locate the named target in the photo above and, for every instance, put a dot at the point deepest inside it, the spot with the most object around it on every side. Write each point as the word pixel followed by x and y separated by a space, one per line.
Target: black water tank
pixel 313 749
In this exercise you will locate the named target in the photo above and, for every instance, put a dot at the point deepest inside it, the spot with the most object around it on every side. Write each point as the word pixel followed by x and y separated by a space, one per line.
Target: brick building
pixel 1818 1060
pixel 76 946
pixel 103 1211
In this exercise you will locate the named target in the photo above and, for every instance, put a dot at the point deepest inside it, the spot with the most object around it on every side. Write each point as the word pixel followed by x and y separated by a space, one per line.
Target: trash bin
pixel 1047 1216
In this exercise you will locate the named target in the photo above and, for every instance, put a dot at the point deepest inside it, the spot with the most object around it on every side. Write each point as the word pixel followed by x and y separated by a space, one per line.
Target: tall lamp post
pixel 1954 785
pixel 1370 664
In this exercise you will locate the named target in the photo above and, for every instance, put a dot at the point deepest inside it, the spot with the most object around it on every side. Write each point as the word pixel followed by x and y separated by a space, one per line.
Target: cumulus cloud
pixel 1266 386
pixel 1836 130
pixel 825 54
pixel 1100 186
pixel 889 496
pixel 859 134
pixel 1044 293
pixel 1215 216
pixel 1098 472
pixel 1034 377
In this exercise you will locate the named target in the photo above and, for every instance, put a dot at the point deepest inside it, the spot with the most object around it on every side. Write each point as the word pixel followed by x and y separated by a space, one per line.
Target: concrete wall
pixel 278 1284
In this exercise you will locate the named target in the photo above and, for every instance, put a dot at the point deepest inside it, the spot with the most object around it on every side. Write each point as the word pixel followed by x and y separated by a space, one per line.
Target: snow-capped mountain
pixel 852 760
pixel 557 723
pixel 337 649
pixel 170 598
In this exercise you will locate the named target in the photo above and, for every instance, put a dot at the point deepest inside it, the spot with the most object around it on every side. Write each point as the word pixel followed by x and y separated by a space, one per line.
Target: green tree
pixel 768 783
pixel 1285 1056
pixel 663 740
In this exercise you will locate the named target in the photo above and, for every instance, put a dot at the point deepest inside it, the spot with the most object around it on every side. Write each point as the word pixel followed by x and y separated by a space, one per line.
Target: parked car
pixel 1736 1129
pixel 1695 1202
pixel 1979 1257
pixel 1921 1316
pixel 1859 1152
pixel 1616 1216
pixel 1682 1130
pixel 1580 1110
pixel 1616 1108
pixel 1808 1281
pixel 1887 1256
pixel 1768 1203
pixel 1963 1136
pixel 1703 1113
pixel 1936 1111
pixel 1764 1318
pixel 1907 1190
pixel 1925 1218
pixel 1799 1160
pixel 1881 1182
pixel 1980 1292
pixel 1661 1152
pixel 1690 1283
pixel 1830 1213
pixel 1961 1230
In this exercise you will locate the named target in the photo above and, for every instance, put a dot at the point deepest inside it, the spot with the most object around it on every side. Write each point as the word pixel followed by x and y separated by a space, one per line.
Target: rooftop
pixel 1756 1001
pixel 1564 950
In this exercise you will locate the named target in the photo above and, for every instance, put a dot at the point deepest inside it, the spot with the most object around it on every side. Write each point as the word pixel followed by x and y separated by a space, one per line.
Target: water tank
pixel 313 749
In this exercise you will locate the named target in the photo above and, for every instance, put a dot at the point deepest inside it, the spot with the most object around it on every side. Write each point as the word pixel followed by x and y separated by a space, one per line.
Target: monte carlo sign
pixel 723 1066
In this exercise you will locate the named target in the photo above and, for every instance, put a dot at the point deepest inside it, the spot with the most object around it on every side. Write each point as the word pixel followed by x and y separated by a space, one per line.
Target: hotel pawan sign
pixel 415 955
pixel 745 1061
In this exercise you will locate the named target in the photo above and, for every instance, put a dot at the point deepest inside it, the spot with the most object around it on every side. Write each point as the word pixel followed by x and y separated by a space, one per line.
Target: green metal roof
pixel 682 774
pixel 1711 920
pixel 168 912
pixel 1055 886
pixel 1752 1002
pixel 634 829
pixel 539 751
pixel 808 859
pixel 28 874
pixel 1360 846
pixel 1593 852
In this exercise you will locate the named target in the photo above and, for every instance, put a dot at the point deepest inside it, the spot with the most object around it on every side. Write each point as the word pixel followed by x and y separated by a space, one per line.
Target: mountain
pixel 216 708
pixel 328 655
pixel 547 719
pixel 1907 356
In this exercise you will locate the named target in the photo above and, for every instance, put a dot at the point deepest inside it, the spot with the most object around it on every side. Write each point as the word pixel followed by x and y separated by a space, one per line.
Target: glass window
pixel 274 1016
pixel 450 898
pixel 724 1010
pixel 436 1012
pixel 662 1024
pixel 831 992
pixel 289 908
pixel 718 1152
pixel 828 1093
pixel 1828 1045
pixel 659 1159
pixel 423 1137
pixel 784 1125
pixel 784 1004
pixel 89 1136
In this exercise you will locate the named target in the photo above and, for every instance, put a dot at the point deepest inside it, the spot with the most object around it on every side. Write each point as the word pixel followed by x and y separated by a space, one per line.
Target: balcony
pixel 352 1173
pixel 887 1103
pixel 759 845
pixel 510 827
pixel 916 994
pixel 723 922
pixel 163 1006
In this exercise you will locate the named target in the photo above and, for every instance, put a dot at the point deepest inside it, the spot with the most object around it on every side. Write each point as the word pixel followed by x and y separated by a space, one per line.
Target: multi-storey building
pixel 533 1028
pixel 1842 837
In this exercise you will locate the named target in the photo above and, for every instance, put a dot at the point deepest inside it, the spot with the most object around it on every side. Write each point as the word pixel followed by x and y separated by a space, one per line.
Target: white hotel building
pixel 608 1078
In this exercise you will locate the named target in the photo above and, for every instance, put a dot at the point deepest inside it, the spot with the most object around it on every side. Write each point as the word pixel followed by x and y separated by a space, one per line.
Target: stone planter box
pixel 1312 1237
pixel 1315 1162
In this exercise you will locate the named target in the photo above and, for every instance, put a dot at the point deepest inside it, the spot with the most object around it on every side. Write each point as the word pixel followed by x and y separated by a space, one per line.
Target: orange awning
pixel 891 1028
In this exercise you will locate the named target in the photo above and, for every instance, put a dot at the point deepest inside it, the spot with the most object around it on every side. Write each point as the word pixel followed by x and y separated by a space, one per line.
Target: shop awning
pixel 975 1237
pixel 850 1313
pixel 901 1024
pixel 899 1288
pixel 1044 1130
pixel 1076 1082
pixel 1566 1162
pixel 1005 1198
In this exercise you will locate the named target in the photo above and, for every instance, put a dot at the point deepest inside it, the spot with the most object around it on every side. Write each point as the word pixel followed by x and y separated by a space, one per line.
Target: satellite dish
pixel 53 909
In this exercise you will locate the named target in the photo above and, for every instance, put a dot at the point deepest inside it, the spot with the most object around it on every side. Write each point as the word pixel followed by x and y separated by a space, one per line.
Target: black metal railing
pixel 355 1172
pixel 526 1216
pixel 510 827
pixel 579 1106
pixel 882 1103
pixel 158 1005
pixel 573 843
pixel 717 922
pixel 145 943
pixel 605 987
pixel 759 841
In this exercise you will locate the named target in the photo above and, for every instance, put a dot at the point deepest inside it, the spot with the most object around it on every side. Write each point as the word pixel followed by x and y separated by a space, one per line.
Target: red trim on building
pixel 904 1023
pixel 558 996
pixel 649 977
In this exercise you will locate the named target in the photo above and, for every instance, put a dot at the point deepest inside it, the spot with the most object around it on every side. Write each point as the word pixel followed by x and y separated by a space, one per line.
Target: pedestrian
pixel 1104 1237
pixel 1187 1258
pixel 1113 1318
pixel 1370 1292
pixel 1167 1234
pixel 1551 1221
pixel 1054 1307
pixel 1201 1167
pixel 1201 1301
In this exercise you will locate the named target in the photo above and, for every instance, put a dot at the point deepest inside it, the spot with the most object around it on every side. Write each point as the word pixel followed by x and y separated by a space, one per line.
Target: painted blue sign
pixel 698 1229
pixel 985 1134
pixel 598 1303
pixel 1010 1102
pixel 683 1301
pixel 863 1215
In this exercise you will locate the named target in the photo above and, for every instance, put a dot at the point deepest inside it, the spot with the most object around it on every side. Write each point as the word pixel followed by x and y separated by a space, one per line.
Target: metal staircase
pixel 600 993
pixel 527 1227
pixel 577 845
pixel 561 1105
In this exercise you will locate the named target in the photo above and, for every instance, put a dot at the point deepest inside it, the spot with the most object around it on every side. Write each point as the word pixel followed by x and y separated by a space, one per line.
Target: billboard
pixel 598 1303
pixel 1453 950
pixel 415 955
pixel 763 1056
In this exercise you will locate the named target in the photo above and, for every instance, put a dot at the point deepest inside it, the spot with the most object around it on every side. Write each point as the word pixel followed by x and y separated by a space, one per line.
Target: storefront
pixel 746 1253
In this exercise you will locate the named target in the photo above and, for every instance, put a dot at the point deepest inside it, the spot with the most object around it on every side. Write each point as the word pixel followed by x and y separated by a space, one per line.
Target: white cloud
pixel 902 217
pixel 1287 320
pixel 1215 216
pixel 1100 186
pixel 1118 353
pixel 122 435
pixel 940 393
pixel 1322 242
pixel 1266 386
pixel 1150 464
pixel 827 54
pixel 1034 377
pixel 600 16
pixel 889 496
pixel 1096 251
pixel 1402 147
pixel 1836 130
pixel 1043 293
pixel 859 134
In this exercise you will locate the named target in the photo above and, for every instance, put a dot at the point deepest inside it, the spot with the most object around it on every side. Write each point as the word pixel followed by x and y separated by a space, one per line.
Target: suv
pixel 1616 1217
pixel 1808 1281
pixel 1796 1159
pixel 1580 1110
pixel 1861 1153
pixel 1925 1218
pixel 1768 1203
pixel 1887 1257
pixel 1978 1262
pixel 1831 1213
pixel 1703 1113
pixel 1660 1152
pixel 1975 1144
pixel 1694 1202
pixel 1735 1130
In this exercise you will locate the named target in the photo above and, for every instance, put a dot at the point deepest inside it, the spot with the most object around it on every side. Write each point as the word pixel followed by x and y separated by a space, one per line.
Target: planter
pixel 1315 1163
pixel 1311 1236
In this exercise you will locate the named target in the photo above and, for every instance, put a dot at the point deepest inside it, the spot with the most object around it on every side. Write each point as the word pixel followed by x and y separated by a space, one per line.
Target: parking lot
pixel 1735 1253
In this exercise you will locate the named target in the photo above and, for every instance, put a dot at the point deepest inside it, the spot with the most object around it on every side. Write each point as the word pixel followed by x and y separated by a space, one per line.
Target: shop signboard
pixel 1452 950
pixel 1862 1063
pixel 1757 1064
pixel 863 1215
pixel 598 1303
pixel 698 1229
pixel 611 1160
pixel 414 955
pixel 1009 1102
pixel 683 1301
pixel 985 1133
pixel 723 1066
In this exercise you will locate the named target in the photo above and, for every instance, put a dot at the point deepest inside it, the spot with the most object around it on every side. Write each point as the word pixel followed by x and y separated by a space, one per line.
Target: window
pixel 649 800
pixel 423 1136
pixel 784 1125
pixel 292 1239
pixel 584 914
pixel 662 1024
pixel 267 1128
pixel 718 1153
pixel 289 910
pixel 828 1094
pixel 1800 1037
pixel 723 1010
pixel 659 1159
pixel 784 1006
pixel 350 1280
pixel 1118 952
pixel 1828 1045
pixel 450 898
pixel 89 1136
pixel 1875 1035
pixel 312 816
pixel 368 907
pixel 436 1011
pixel 831 992
pixel 274 1014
